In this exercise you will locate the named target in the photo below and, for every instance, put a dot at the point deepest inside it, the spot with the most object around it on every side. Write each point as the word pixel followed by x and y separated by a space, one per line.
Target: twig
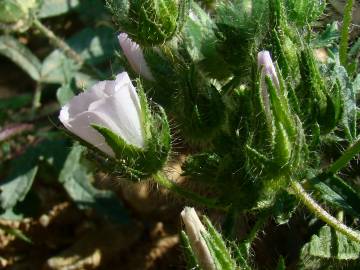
pixel 13 130
pixel 58 42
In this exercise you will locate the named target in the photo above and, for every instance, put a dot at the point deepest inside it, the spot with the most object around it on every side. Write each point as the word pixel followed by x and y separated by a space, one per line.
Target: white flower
pixel 194 229
pixel 135 56
pixel 114 105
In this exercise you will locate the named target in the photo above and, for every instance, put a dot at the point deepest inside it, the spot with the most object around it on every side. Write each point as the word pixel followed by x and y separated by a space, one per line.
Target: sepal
pixel 149 23
pixel 16 15
pixel 322 102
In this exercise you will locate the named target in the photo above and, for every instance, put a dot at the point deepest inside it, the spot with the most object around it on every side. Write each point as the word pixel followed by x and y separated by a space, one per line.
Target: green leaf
pixel 57 68
pixel 65 93
pixel 75 178
pixel 348 95
pixel 15 102
pixel 22 173
pixel 22 56
pixel 327 37
pixel 337 193
pixel 51 8
pixel 94 46
pixel 328 245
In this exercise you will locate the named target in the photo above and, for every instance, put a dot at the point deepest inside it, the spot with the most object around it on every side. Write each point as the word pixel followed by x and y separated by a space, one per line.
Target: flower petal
pixel 194 229
pixel 81 126
pixel 267 67
pixel 135 56
pixel 124 112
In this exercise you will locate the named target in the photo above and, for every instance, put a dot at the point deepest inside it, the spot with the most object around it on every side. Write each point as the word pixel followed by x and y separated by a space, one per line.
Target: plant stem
pixel 59 43
pixel 36 99
pixel 344 40
pixel 321 213
pixel 348 155
pixel 251 236
pixel 162 180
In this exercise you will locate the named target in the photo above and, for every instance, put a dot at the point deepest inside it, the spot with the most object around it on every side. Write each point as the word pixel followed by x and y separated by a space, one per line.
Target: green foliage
pixel 18 183
pixel 75 178
pixel 328 249
pixel 151 22
pixel 248 137
pixel 15 15
pixel 51 8
pixel 22 56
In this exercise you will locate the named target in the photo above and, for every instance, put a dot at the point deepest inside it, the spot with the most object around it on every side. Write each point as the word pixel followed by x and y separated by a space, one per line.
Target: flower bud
pixel 135 56
pixel 15 14
pixel 283 127
pixel 267 68
pixel 149 23
pixel 195 230
pixel 113 118
pixel 322 101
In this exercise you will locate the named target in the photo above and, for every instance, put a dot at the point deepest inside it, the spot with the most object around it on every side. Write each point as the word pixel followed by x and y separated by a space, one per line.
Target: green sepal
pixel 200 108
pixel 158 147
pixel 121 148
pixel 17 15
pixel 280 107
pixel 240 27
pixel 303 12
pixel 334 109
pixel 151 22
pixel 188 252
pixel 324 103
pixel 282 147
pixel 217 247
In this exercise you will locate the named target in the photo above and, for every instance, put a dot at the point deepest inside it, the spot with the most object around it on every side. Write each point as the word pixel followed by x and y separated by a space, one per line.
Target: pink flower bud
pixel 267 67
pixel 135 56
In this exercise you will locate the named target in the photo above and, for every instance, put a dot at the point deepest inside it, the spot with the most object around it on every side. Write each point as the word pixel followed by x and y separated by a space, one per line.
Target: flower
pixel 113 105
pixel 135 56
pixel 267 67
pixel 194 229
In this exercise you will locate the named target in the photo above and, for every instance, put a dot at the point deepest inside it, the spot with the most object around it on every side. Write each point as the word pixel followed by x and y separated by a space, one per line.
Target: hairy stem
pixel 348 155
pixel 344 40
pixel 251 236
pixel 59 43
pixel 321 213
pixel 162 180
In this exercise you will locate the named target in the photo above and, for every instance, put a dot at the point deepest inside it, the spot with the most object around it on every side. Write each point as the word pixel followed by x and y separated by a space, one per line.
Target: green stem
pixel 59 43
pixel 321 213
pixel 344 40
pixel 251 236
pixel 348 155
pixel 162 180
pixel 36 99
